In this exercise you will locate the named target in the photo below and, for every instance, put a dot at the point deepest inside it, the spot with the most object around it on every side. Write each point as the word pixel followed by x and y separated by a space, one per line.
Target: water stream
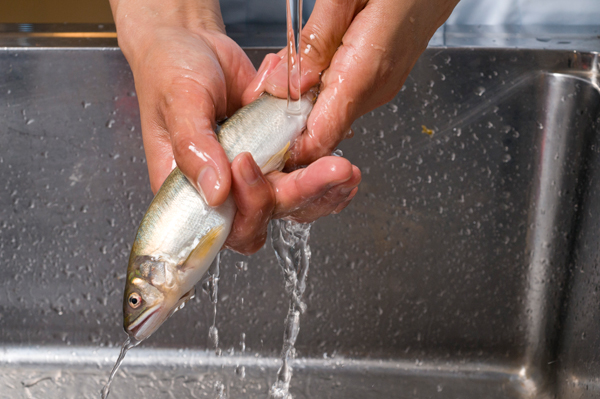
pixel 294 30
pixel 211 287
pixel 290 242
pixel 128 344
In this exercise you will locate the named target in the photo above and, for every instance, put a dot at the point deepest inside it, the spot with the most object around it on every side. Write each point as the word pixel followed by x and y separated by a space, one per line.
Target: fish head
pixel 146 303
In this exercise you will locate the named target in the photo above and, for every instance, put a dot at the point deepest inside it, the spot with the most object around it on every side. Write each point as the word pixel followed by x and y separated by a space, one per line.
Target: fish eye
pixel 135 300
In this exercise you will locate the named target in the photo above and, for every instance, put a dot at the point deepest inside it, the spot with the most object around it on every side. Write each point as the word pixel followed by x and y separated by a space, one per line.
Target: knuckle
pixel 315 48
pixel 181 144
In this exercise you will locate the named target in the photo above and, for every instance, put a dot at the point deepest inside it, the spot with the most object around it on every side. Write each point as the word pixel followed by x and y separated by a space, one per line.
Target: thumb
pixel 320 39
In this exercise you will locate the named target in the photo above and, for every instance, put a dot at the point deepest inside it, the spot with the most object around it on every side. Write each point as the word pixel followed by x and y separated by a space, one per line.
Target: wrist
pixel 138 22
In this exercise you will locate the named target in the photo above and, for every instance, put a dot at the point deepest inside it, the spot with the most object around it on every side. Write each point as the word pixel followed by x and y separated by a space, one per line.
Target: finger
pixel 255 200
pixel 316 190
pixel 257 86
pixel 157 146
pixel 346 202
pixel 320 39
pixel 370 50
pixel 237 69
pixel 328 202
pixel 189 113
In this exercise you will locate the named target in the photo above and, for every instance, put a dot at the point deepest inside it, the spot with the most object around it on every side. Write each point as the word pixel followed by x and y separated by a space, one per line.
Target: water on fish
pixel 290 242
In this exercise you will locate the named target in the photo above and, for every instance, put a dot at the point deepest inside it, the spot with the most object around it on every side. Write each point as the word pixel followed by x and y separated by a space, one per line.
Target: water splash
pixel 129 343
pixel 290 242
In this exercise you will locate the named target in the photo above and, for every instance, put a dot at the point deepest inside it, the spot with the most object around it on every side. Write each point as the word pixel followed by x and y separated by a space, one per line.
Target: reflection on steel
pixel 467 265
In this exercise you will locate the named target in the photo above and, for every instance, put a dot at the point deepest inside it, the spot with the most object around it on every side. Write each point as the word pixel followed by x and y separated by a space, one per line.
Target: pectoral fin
pixel 183 300
pixel 187 296
pixel 277 161
pixel 203 248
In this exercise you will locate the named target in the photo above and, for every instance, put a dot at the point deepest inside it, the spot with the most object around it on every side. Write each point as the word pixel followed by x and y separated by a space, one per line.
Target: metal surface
pixel 466 266
pixel 272 35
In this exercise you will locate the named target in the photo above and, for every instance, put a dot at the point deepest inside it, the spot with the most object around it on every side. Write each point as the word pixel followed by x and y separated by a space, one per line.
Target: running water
pixel 290 242
pixel 290 239
pixel 211 287
pixel 294 30
pixel 128 344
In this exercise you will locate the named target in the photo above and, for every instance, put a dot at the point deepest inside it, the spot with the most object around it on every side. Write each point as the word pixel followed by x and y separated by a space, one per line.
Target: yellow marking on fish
pixel 277 161
pixel 204 246
pixel 426 131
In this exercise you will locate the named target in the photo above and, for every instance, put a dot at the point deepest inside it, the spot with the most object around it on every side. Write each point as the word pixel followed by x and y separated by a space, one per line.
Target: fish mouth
pixel 146 324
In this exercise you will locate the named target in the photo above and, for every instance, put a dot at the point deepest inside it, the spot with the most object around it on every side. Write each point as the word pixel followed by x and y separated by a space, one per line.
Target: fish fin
pixel 203 247
pixel 188 295
pixel 277 161
pixel 183 300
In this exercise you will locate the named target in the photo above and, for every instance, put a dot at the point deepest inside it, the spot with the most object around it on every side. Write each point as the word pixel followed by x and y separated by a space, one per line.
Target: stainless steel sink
pixel 466 267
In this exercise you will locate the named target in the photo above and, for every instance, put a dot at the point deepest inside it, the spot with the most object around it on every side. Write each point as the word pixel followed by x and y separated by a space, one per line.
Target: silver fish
pixel 181 235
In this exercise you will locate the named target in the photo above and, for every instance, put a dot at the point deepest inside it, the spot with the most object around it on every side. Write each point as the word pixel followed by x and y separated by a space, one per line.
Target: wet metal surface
pixel 466 265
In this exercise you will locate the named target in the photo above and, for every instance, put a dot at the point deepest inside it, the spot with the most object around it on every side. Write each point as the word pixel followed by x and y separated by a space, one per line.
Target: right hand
pixel 361 52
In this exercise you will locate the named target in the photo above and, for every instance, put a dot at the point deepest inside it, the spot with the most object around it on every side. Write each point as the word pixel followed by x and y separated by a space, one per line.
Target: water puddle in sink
pixel 290 242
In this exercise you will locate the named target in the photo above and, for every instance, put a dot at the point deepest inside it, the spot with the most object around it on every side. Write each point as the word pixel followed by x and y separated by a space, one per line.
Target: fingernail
pixel 208 183
pixel 352 194
pixel 250 171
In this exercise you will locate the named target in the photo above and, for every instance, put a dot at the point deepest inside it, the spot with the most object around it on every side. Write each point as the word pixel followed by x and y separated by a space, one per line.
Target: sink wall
pixel 469 253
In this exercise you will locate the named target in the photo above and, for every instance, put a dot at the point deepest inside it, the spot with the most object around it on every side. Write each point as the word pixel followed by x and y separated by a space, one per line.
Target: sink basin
pixel 466 266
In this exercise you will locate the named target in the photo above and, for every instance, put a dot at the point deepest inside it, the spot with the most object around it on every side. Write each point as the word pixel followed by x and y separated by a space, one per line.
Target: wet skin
pixel 189 74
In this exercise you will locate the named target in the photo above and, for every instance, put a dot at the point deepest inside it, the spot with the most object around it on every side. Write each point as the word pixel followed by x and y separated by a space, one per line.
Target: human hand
pixel 188 74
pixel 366 49
pixel 304 195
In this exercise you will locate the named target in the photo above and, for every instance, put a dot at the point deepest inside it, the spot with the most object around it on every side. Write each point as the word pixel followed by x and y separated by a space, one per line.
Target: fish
pixel 180 235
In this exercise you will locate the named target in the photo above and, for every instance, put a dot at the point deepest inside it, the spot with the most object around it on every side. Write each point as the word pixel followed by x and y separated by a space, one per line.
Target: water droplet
pixel 220 390
pixel 479 91
pixel 241 265
pixel 213 337
pixel 241 372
